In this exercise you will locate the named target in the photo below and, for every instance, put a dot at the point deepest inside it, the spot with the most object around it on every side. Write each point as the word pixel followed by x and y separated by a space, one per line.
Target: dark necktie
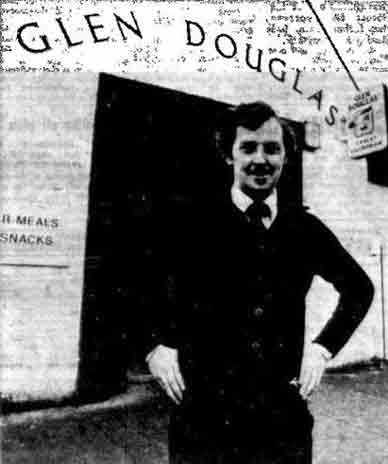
pixel 255 214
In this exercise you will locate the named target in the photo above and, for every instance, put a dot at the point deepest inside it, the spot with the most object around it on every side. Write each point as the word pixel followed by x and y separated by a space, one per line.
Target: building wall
pixel 337 190
pixel 47 129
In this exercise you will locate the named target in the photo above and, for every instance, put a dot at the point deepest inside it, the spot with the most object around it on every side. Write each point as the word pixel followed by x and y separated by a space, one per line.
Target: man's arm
pixel 162 341
pixel 355 289
pixel 162 321
pixel 335 265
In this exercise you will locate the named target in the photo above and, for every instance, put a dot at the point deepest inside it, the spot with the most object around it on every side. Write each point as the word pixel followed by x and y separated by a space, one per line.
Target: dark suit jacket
pixel 233 302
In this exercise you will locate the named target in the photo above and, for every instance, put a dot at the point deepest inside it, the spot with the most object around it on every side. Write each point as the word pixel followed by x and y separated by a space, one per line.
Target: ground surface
pixel 351 414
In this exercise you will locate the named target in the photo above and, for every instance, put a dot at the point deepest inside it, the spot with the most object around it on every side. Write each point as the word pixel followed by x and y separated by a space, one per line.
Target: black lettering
pixel 282 76
pixel 30 239
pixel 93 27
pixel 49 240
pixel 257 66
pixel 317 96
pixel 189 38
pixel 3 237
pixel 39 240
pixel 43 38
pixel 120 21
pixel 6 219
pixel 66 35
pixel 44 222
pixel 233 43
pixel 13 238
pixel 333 110
pixel 295 86
pixel 22 220
pixel 54 223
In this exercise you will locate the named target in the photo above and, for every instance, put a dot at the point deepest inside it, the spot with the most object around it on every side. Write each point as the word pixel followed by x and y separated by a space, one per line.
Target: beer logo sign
pixel 367 126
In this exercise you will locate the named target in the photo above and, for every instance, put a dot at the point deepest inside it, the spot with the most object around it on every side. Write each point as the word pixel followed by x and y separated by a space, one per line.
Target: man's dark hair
pixel 251 116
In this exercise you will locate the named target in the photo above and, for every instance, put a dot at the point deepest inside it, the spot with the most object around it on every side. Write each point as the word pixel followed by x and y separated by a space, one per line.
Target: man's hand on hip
pixel 314 362
pixel 163 365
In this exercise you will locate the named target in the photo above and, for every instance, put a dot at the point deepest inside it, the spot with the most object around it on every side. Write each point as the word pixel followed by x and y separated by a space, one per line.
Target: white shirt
pixel 243 201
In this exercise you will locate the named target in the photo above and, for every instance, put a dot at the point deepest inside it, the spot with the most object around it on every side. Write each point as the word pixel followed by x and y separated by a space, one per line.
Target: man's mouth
pixel 260 174
pixel 261 179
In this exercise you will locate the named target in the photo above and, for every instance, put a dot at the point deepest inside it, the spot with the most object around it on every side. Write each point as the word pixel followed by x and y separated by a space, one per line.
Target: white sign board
pixel 367 123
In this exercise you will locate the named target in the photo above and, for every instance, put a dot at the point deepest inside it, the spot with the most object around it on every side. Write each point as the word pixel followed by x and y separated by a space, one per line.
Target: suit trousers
pixel 272 428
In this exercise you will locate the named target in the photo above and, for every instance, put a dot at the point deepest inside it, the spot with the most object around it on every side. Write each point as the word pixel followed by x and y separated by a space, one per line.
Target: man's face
pixel 258 157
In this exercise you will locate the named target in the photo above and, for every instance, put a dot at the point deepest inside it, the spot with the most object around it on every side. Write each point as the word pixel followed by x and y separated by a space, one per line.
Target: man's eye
pixel 248 148
pixel 272 148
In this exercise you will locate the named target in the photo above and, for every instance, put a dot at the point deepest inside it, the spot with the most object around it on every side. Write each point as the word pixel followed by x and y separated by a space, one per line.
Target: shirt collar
pixel 243 201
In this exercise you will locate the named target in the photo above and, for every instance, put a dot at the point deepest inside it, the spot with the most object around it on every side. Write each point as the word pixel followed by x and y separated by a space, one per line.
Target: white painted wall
pixel 46 131
pixel 337 190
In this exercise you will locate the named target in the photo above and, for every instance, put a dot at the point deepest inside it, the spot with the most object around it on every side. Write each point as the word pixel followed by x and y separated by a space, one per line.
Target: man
pixel 229 347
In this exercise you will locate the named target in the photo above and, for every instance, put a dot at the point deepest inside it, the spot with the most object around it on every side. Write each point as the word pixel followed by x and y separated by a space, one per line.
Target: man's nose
pixel 259 155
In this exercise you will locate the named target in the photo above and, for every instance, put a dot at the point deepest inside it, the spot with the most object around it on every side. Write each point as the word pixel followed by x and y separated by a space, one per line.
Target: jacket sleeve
pixel 355 290
pixel 159 320
pixel 162 307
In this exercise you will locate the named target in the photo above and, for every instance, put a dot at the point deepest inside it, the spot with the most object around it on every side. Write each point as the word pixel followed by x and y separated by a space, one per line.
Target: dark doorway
pixel 151 146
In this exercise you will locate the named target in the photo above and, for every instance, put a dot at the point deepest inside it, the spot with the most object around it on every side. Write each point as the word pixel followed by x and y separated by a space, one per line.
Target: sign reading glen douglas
pixel 367 127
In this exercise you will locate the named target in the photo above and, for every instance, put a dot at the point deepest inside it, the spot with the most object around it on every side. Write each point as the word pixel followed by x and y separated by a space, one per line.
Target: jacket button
pixel 256 347
pixel 258 312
